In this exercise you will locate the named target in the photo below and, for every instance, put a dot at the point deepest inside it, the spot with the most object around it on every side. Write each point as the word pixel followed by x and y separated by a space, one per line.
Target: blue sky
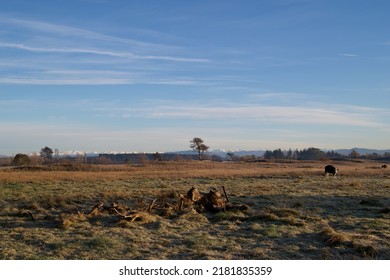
pixel 146 76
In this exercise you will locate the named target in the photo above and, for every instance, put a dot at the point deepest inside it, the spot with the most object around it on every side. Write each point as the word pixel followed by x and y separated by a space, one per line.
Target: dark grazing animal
pixel 384 166
pixel 330 169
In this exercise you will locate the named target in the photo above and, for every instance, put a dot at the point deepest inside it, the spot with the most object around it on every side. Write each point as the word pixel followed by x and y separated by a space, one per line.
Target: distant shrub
pixel 21 159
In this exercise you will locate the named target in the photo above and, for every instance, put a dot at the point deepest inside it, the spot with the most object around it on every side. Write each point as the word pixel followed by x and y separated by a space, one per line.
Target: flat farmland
pixel 292 211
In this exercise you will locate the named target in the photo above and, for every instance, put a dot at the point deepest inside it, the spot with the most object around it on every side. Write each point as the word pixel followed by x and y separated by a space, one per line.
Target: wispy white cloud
pixel 347 54
pixel 56 36
pixel 275 114
pixel 65 81
pixel 95 78
pixel 15 103
pixel 44 48
pixel 340 115
pixel 279 96
pixel 100 52
pixel 57 30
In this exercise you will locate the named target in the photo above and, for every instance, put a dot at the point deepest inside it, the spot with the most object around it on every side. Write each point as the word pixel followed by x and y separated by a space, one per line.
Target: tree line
pixel 47 155
pixel 305 154
pixel 317 154
pixel 198 146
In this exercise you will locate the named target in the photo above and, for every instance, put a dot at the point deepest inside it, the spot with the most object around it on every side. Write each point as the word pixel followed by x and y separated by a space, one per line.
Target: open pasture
pixel 294 212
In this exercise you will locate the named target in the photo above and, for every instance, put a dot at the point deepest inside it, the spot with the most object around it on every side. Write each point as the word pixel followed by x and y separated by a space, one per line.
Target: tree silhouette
pixel 198 146
pixel 231 155
pixel 157 157
pixel 46 153
pixel 354 154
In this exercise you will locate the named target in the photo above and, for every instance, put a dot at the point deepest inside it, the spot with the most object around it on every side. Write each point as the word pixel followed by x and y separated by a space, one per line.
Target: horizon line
pixel 78 152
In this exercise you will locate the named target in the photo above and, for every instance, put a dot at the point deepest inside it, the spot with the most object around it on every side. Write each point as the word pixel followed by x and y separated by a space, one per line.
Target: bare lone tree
pixel 197 145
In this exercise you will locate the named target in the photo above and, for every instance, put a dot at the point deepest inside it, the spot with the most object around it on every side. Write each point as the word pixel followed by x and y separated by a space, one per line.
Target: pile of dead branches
pixel 167 206
pixel 213 201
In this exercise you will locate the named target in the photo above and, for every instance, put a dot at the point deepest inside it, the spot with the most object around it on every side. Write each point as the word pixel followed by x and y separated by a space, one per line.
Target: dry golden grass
pixel 186 169
pixel 294 212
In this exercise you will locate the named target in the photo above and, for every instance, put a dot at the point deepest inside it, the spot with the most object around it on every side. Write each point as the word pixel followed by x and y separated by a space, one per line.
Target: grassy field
pixel 294 212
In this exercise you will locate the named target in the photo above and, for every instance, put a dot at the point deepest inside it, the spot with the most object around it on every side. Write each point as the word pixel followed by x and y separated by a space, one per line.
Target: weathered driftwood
pixel 150 207
pixel 181 202
pixel 100 208
pixel 121 211
pixel 132 217
pixel 96 210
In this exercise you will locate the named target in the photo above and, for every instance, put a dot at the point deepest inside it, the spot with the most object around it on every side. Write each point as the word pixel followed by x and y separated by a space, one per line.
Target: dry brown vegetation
pixel 294 212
